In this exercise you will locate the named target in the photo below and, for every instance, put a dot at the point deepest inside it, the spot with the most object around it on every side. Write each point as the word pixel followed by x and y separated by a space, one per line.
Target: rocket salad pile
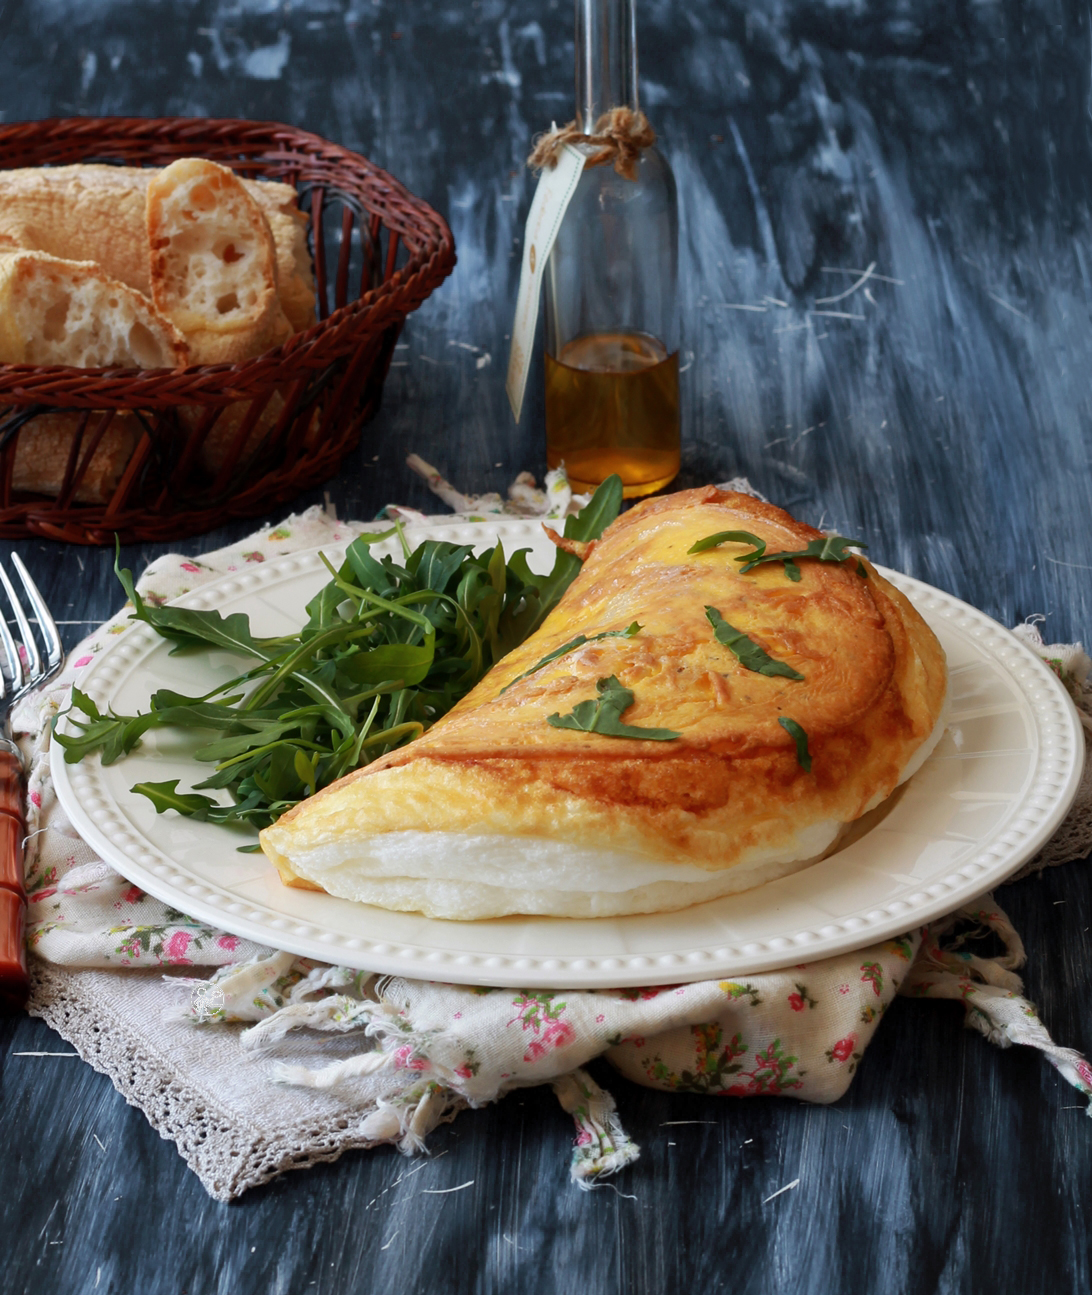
pixel 388 647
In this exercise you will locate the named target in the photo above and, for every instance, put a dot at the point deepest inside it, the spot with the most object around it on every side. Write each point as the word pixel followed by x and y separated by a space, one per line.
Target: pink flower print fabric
pixel 776 1033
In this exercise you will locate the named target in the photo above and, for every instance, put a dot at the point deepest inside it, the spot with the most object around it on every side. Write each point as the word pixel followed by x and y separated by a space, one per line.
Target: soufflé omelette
pixel 698 715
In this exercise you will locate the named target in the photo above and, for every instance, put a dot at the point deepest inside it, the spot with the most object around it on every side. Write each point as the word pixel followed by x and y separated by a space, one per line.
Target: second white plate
pixel 991 794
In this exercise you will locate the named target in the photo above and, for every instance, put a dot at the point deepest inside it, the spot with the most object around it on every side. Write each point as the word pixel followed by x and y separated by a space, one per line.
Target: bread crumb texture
pixel 54 311
pixel 213 262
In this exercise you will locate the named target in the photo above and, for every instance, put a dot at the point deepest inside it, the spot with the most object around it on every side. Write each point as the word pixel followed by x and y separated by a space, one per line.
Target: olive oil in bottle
pixel 612 405
pixel 612 366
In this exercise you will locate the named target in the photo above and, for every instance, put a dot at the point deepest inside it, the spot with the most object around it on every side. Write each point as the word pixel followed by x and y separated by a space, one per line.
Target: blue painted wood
pixel 945 417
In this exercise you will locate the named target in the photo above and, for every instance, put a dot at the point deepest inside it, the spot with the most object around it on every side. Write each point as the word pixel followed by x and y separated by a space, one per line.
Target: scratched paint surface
pixel 941 409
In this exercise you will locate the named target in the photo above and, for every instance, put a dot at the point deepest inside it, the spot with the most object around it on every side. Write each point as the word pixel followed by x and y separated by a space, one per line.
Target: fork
pixel 23 669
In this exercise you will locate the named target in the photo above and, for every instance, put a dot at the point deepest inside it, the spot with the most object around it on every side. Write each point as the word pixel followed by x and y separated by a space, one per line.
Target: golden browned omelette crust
pixel 874 682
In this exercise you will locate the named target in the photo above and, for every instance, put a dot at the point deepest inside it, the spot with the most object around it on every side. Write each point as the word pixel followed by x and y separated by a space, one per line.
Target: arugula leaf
pixel 598 513
pixel 728 537
pixel 388 661
pixel 750 655
pixel 589 524
pixel 803 758
pixel 164 698
pixel 95 729
pixel 604 716
pixel 572 644
pixel 305 769
pixel 114 735
pixel 829 548
pixel 188 628
pixel 165 795
pixel 228 749
pixel 436 561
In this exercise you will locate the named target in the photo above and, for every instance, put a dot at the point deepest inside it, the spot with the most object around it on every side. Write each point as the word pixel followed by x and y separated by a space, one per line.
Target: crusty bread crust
pixel 54 311
pixel 44 443
pixel 295 277
pixel 731 785
pixel 221 438
pixel 96 212
pixel 79 213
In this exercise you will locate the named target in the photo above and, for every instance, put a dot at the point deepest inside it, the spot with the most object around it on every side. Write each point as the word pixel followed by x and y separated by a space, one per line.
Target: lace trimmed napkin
pixel 276 1062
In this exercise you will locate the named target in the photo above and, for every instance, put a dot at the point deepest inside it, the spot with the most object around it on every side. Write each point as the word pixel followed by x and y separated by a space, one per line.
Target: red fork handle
pixel 14 979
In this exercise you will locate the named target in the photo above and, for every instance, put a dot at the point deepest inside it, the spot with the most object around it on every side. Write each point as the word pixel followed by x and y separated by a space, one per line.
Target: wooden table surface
pixel 944 415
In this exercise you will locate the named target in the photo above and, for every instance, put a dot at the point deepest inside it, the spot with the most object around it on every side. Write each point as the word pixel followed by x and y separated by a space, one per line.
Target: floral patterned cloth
pixel 426 1050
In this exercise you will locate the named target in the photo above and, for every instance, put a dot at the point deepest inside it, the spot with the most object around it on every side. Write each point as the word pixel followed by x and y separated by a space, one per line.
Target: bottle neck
pixel 606 59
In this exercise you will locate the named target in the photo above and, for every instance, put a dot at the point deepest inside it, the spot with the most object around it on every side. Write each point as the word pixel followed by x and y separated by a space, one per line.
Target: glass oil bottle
pixel 612 344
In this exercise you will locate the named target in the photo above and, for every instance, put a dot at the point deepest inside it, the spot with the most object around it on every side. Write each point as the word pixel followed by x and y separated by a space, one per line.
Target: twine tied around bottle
pixel 620 136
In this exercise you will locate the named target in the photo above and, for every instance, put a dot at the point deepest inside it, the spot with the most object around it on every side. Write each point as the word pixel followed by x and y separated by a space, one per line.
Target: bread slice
pixel 96 212
pixel 221 437
pixel 295 277
pixel 44 443
pixel 69 312
pixel 213 263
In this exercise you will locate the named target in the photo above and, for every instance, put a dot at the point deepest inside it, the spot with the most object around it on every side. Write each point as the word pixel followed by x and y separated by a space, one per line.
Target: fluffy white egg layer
pixel 466 876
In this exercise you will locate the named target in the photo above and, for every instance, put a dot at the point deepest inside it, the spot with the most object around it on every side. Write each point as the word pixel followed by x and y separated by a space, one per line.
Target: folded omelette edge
pixel 495 810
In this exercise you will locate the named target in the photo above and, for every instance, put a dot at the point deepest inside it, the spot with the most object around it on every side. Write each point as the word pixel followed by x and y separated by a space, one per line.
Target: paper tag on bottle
pixel 552 197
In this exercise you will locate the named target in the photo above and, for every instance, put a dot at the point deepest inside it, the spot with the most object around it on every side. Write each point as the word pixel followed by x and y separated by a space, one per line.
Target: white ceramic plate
pixel 994 790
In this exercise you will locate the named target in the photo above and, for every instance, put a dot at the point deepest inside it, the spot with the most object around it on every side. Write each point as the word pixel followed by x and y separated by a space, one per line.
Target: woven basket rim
pixel 432 249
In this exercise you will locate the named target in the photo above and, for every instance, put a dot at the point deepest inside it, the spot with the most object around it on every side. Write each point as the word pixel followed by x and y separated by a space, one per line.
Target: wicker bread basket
pixel 294 412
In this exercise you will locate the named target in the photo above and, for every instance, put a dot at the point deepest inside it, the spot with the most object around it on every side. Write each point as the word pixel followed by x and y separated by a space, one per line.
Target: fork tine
pixel 25 634
pixel 15 664
pixel 46 623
